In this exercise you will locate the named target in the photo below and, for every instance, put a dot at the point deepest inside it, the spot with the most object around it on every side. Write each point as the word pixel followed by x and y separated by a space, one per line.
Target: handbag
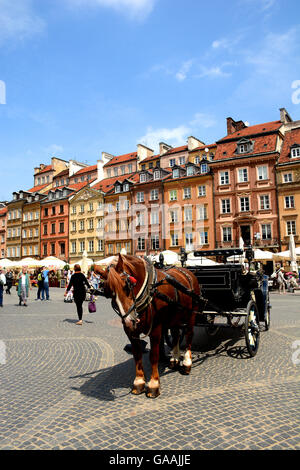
pixel 92 305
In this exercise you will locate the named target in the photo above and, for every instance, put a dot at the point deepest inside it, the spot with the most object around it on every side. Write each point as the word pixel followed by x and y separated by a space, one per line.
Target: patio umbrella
pixel 263 255
pixel 52 262
pixel 170 257
pixel 84 263
pixel 200 261
pixel 28 262
pixel 106 261
pixel 6 263
pixel 293 254
pixel 287 254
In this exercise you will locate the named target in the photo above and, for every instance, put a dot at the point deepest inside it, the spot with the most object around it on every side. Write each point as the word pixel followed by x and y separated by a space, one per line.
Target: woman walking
pixel 78 281
pixel 23 287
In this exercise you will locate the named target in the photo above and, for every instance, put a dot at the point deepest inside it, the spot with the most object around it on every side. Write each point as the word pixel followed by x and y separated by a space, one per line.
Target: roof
pixel 3 211
pixel 149 159
pixel 121 159
pixel 253 130
pixel 44 170
pixel 36 189
pixel 88 169
pixel 107 184
pixel 176 150
pixel 62 173
pixel 203 147
pixel 290 138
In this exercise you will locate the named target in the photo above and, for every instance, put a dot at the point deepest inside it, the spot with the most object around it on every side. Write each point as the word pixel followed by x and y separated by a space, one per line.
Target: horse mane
pixel 129 265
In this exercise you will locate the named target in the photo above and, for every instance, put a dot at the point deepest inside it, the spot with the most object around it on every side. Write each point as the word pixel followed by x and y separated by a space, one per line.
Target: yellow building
pixel 86 224
pixel 288 184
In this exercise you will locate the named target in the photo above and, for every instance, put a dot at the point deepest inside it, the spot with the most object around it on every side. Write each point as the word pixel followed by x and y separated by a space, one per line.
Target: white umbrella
pixel 170 257
pixel 292 250
pixel 84 263
pixel 52 262
pixel 28 262
pixel 287 254
pixel 106 261
pixel 261 255
pixel 6 263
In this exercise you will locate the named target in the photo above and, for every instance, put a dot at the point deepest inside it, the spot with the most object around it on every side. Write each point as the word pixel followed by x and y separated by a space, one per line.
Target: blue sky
pixel 85 76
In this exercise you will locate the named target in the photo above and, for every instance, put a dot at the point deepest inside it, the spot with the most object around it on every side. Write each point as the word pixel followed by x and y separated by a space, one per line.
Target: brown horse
pixel 147 303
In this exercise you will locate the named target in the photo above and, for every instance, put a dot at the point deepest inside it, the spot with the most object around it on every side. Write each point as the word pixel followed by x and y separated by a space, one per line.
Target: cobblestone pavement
pixel 64 386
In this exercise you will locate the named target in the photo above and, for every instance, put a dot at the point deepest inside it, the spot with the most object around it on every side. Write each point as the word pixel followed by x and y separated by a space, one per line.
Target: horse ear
pixel 119 267
pixel 102 273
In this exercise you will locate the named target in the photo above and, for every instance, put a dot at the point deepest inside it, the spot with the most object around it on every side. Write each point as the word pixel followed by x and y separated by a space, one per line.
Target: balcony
pixel 268 243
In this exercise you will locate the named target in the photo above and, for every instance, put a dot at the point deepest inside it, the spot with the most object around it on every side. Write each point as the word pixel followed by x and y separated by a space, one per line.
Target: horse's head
pixel 124 282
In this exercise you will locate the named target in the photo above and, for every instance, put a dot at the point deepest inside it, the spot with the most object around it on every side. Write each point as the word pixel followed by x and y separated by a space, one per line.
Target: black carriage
pixel 229 291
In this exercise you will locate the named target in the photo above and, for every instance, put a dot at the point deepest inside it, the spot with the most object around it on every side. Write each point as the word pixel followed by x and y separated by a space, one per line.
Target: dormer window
pixel 57 194
pixel 156 175
pixel 295 152
pixel 190 171
pixel 142 177
pixel 176 173
pixel 244 146
pixel 172 162
pixel 204 168
pixel 50 195
pixel 125 187
pixel 118 189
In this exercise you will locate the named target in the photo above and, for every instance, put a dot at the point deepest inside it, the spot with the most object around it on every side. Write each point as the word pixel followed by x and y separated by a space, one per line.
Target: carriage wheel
pixel 252 332
pixel 169 336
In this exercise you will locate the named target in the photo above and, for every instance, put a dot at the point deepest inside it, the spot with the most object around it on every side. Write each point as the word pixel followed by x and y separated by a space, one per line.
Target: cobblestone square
pixel 64 386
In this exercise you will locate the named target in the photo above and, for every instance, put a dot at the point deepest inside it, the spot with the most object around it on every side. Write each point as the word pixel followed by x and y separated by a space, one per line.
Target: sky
pixel 79 77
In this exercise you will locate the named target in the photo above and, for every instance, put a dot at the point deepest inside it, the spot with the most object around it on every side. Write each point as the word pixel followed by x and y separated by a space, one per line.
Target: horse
pixel 149 300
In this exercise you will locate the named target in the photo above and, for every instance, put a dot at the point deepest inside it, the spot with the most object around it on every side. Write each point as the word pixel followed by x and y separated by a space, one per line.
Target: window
pixel 91 224
pixel 73 247
pixel 24 251
pixel 187 193
pixel 156 174
pixel 197 160
pixel 243 148
pixel 295 152
pixel 118 206
pixel 91 245
pixel 61 227
pixel 24 233
pixel 174 239
pixel 266 231
pixel 142 177
pixel 91 207
pixel 141 243
pixel 123 170
pixel 155 242
pixel 108 172
pixel 262 172
pixel 189 241
pixel 188 214
pixel 203 168
pixel 288 177
pixel 62 248
pixel 151 165
pixel 181 160
pixel 110 249
pixel 140 218
pixel 226 206
pixel 45 230
pixel 203 238
pixel 245 204
pixel 100 245
pixel 116 171
pixel 227 234
pixel 291 227
pixel 73 226
pixel 242 175
pixel 264 202
pixel 190 171
pixel 119 247
pixel 202 213
pixel 36 232
pixel 52 249
pixel 174 216
pixel 81 246
pixel 140 196
pixel 130 168
pixel 224 177
pixel 154 217
pixel 173 195
pixel 125 187
pixel 289 202
pixel 82 208
pixel 52 229
pixel 74 210
pixel 126 205
pixel 154 195
pixel 82 225
pixel 128 247
pixel 53 210
pixel 175 173
pixel 172 162
pixel 201 191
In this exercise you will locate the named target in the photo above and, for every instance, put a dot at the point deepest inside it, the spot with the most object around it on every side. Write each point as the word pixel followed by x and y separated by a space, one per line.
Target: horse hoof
pixel 153 392
pixel 174 365
pixel 138 389
pixel 186 370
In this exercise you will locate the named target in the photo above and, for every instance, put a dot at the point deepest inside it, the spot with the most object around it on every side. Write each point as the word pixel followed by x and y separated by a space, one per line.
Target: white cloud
pixel 54 149
pixel 133 8
pixel 181 75
pixel 18 20
pixel 177 136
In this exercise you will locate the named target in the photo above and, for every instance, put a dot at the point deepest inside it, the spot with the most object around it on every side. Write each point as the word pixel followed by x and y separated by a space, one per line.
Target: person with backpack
pixel 41 289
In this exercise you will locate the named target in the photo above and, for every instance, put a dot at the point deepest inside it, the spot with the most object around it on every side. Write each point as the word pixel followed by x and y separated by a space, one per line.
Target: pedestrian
pixel 41 289
pixel 45 272
pixel 9 281
pixel 23 287
pixel 78 281
pixel 94 279
pixel 2 284
pixel 281 281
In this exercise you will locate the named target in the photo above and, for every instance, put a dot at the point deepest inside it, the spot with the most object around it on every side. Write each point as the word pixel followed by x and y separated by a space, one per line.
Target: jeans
pixel 46 287
pixel 40 291
pixel 1 295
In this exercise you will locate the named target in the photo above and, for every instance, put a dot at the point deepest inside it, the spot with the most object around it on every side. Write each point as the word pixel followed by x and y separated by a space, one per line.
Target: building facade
pixel 3 216
pixel 31 225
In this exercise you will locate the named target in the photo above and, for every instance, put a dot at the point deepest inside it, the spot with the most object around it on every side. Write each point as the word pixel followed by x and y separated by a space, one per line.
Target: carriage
pixel 228 291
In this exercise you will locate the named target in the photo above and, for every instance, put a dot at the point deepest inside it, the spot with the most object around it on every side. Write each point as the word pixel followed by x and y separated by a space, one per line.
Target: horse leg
pixel 153 386
pixel 139 381
pixel 187 358
pixel 175 351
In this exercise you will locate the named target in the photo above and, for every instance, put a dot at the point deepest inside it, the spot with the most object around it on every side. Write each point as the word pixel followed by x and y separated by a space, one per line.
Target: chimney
pixel 106 157
pixel 194 143
pixel 100 171
pixel 144 152
pixel 164 148
pixel 284 116
pixel 234 126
